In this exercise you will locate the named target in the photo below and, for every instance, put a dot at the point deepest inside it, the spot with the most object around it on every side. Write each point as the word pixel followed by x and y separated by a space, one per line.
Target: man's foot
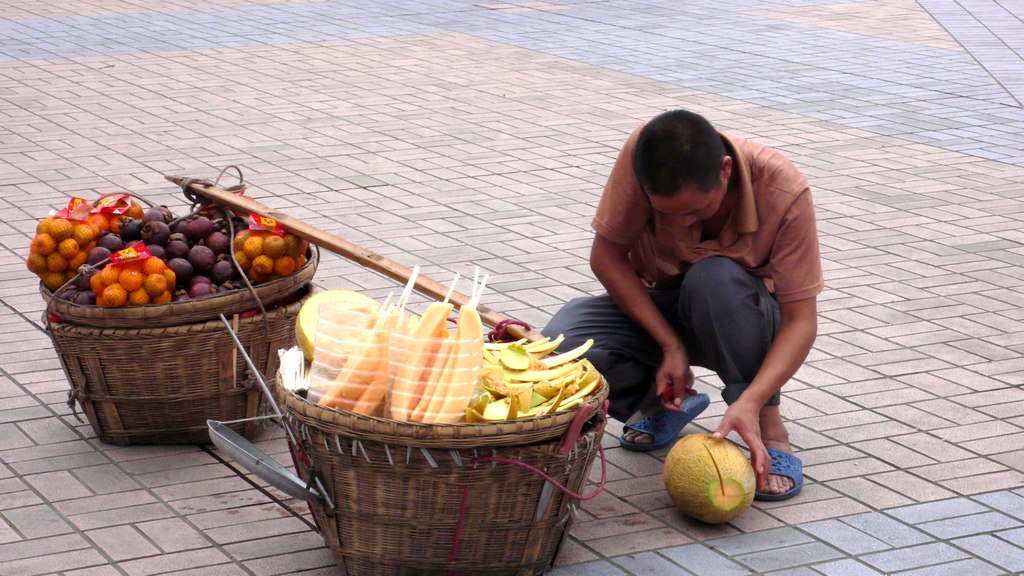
pixel 661 427
pixel 774 435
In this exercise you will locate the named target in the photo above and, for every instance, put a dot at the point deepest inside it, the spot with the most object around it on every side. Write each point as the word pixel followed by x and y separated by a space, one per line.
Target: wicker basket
pixel 187 312
pixel 160 385
pixel 415 502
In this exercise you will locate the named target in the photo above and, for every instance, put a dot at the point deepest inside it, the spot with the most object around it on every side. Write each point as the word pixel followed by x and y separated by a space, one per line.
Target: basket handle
pixel 345 249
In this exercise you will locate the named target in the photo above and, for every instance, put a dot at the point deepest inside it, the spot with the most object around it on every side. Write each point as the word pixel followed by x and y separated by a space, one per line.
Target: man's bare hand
pixel 674 380
pixel 745 421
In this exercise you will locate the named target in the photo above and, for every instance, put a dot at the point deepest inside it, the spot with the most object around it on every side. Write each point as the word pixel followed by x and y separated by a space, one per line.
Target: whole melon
pixel 305 324
pixel 709 479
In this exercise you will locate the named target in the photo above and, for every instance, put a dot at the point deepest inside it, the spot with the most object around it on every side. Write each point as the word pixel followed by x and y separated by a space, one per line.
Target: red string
pixel 500 331
pixel 570 493
pixel 458 527
pixel 521 464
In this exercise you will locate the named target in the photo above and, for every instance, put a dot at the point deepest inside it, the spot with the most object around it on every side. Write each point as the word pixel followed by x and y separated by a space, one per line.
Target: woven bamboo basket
pixel 186 312
pixel 160 385
pixel 454 499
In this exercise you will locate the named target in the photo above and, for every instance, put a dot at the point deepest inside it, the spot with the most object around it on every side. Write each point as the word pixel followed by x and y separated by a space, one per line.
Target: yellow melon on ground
pixel 305 324
pixel 709 479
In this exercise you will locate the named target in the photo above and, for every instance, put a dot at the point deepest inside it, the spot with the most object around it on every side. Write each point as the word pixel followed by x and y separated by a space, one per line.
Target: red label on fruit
pixel 77 209
pixel 257 222
pixel 113 204
pixel 130 254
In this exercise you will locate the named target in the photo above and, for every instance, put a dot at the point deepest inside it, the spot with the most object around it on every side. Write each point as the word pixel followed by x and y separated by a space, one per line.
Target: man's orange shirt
pixel 771 231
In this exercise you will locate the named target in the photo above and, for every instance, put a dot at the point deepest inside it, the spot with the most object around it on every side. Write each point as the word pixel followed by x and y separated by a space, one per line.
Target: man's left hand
pixel 745 421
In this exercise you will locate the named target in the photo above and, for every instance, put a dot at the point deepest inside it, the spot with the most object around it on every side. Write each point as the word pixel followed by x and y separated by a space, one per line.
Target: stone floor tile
pixel 844 537
pixel 122 543
pixel 634 542
pixel 966 525
pixel 888 530
pixel 970 566
pixel 648 564
pixel 925 555
pixel 994 551
pixel 789 557
pixel 595 568
pixel 845 567
pixel 37 521
pixel 173 534
pixel 702 561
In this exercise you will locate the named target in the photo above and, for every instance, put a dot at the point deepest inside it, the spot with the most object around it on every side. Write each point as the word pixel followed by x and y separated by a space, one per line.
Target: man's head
pixel 678 150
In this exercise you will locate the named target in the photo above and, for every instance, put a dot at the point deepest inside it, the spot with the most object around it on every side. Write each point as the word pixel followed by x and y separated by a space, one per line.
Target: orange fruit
pixel 139 297
pixel 77 260
pixel 53 280
pixel 96 284
pixel 163 298
pixel 60 229
pixel 153 265
pixel 43 244
pixel 67 248
pixel 135 210
pixel 36 263
pixel 100 221
pixel 170 277
pixel 240 237
pixel 83 234
pixel 253 247
pixel 284 265
pixel 275 246
pixel 110 274
pixel 300 262
pixel 114 295
pixel 244 261
pixel 155 284
pixel 96 232
pixel 294 245
pixel 56 263
pixel 256 277
pixel 69 274
pixel 43 227
pixel 131 280
pixel 262 265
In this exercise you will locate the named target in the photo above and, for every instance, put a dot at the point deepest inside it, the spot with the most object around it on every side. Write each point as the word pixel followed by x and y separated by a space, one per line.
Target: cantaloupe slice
pixel 309 314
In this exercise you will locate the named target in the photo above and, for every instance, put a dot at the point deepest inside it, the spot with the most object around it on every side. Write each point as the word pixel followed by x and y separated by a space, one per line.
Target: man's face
pixel 690 204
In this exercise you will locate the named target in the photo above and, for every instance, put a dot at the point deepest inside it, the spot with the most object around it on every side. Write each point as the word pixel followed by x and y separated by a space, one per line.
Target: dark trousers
pixel 724 315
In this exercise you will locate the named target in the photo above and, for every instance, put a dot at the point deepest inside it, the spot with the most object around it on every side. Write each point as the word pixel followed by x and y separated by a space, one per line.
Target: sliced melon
pixel 309 314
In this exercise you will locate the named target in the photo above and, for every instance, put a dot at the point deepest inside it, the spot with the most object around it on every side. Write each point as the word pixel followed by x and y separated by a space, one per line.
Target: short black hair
pixel 675 149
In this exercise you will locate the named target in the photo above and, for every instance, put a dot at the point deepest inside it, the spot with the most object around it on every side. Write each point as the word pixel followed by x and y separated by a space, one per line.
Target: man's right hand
pixel 674 380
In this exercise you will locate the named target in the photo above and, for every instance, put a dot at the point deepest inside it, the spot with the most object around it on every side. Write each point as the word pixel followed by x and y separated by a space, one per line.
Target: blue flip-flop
pixel 784 464
pixel 664 425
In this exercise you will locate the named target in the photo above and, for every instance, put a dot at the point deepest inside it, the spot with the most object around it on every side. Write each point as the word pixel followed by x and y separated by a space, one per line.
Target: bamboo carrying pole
pixel 424 284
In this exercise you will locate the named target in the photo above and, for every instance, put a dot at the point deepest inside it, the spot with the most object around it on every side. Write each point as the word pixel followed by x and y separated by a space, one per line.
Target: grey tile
pixel 649 564
pixel 967 525
pixel 995 551
pixel 888 530
pixel 846 567
pixel 703 561
pixel 936 510
pixel 844 537
pixel 1006 502
pixel 971 566
pixel 914 557
pixel 596 568
pixel 757 541
pixel 789 557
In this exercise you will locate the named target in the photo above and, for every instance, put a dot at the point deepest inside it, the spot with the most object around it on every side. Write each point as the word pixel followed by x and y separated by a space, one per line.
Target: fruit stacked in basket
pixel 117 252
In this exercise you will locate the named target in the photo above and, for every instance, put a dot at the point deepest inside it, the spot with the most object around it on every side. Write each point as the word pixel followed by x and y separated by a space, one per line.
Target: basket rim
pixel 427 435
pixel 172 313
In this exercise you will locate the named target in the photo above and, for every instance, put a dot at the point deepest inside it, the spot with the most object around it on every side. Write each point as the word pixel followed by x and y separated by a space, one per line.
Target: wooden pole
pixel 424 284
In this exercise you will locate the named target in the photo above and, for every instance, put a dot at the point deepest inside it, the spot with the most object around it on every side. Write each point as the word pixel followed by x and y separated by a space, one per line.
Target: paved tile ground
pixel 450 134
